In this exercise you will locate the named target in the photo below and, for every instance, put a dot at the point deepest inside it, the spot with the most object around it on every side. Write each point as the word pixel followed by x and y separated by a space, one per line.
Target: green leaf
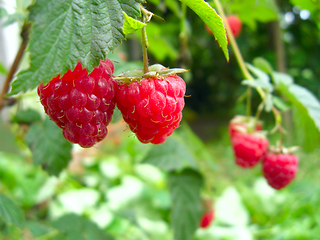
pixel 258 83
pixel 50 149
pixel 258 73
pixel 306 103
pixel 212 20
pixel 171 155
pixel 131 25
pixel 263 64
pixel 281 104
pixel 269 102
pixel 3 12
pixel 10 212
pixel 310 5
pixel 74 227
pixel 68 31
pixel 8 143
pixel 12 18
pixel 186 206
pixel 306 133
pixel 27 116
pixel 3 69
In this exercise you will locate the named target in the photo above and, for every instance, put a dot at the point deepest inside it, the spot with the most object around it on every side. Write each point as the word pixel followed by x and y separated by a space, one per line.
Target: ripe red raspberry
pixel 206 219
pixel 235 25
pixel 152 106
pixel 279 168
pixel 81 104
pixel 249 148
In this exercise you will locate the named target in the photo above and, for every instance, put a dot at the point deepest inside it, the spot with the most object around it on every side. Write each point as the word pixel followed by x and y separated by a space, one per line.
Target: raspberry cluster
pixel 250 145
pixel 81 104
pixel 152 106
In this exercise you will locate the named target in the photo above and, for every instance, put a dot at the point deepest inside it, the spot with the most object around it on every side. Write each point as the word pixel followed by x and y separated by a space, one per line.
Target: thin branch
pixel 15 65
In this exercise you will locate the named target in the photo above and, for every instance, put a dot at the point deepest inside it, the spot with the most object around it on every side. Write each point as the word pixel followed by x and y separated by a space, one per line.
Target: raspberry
pixel 81 104
pixel 206 219
pixel 152 106
pixel 249 148
pixel 235 25
pixel 279 168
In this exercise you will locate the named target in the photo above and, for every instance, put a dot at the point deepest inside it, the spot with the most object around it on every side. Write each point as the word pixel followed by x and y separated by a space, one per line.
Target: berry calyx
pixel 81 104
pixel 151 104
pixel 279 167
pixel 244 124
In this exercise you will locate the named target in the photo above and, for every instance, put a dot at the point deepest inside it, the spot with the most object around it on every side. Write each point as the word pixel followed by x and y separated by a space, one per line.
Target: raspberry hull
pixel 81 104
pixel 152 107
pixel 206 219
pixel 279 169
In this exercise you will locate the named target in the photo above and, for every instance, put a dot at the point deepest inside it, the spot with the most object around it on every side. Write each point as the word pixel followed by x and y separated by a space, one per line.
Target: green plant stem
pixel 144 50
pixel 240 60
pixel 248 101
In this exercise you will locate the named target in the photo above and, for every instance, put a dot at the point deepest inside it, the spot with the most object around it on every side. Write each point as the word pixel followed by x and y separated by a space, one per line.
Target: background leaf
pixel 3 69
pixel 212 20
pixel 186 206
pixel 171 155
pixel 10 212
pixel 50 149
pixel 67 31
pixel 27 116
pixel 73 227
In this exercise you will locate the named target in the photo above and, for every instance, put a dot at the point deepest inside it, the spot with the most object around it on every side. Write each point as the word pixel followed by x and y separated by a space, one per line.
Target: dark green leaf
pixel 68 31
pixel 74 227
pixel 131 25
pixel 50 149
pixel 186 206
pixel 171 155
pixel 27 116
pixel 10 212
pixel 212 20
pixel 37 229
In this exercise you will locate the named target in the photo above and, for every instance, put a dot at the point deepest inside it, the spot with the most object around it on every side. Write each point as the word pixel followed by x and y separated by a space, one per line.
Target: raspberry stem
pixel 145 18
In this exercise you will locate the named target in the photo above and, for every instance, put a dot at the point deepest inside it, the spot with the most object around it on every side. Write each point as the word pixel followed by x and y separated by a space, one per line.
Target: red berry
pixel 207 218
pixel 279 169
pixel 81 104
pixel 152 106
pixel 248 148
pixel 235 25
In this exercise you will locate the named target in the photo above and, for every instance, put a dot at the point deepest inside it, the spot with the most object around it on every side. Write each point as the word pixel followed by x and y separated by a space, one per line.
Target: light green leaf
pixel 171 155
pixel 258 83
pixel 65 32
pixel 263 64
pixel 311 5
pixel 131 25
pixel 258 73
pixel 50 149
pixel 3 12
pixel 10 212
pixel 3 69
pixel 269 102
pixel 282 78
pixel 280 103
pixel 9 142
pixel 212 20
pixel 186 208
pixel 74 227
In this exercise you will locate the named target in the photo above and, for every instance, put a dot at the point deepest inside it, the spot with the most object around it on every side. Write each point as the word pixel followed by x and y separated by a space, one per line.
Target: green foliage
pixel 171 155
pixel 3 70
pixel 50 149
pixel 66 32
pixel 10 212
pixel 73 227
pixel 212 20
pixel 186 206
pixel 27 116
pixel 9 143
pixel 131 25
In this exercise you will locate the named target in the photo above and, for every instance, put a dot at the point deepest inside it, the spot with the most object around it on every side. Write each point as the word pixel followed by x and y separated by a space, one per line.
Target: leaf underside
pixel 65 32
pixel 10 212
